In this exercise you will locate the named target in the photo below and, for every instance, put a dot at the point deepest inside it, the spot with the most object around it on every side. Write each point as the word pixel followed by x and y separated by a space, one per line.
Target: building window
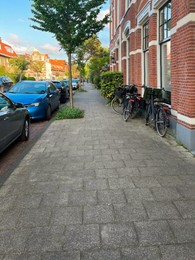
pixel 165 22
pixel 165 47
pixel 146 52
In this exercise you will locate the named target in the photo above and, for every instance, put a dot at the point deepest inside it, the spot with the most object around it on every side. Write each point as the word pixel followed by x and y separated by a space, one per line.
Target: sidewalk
pixel 100 188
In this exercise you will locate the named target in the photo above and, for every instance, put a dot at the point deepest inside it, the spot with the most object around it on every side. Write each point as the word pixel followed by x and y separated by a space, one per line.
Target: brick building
pixel 153 43
pixel 58 67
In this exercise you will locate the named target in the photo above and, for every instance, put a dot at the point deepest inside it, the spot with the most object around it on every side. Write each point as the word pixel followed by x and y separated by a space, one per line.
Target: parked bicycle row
pixel 130 104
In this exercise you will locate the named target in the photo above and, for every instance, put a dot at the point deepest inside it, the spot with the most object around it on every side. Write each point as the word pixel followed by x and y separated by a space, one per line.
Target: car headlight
pixel 34 104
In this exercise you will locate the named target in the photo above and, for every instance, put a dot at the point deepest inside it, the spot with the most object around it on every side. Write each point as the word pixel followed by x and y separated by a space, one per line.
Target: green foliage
pixel 109 82
pixel 96 65
pixel 69 113
pixel 20 64
pixel 30 78
pixel 71 21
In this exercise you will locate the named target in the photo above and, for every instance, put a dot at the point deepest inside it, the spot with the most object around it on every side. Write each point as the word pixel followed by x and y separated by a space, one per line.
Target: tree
pixel 71 21
pixel 90 48
pixel 37 67
pixel 97 65
pixel 20 64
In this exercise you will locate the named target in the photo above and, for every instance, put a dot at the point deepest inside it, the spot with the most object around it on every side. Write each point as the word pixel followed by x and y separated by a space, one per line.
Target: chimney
pixel 0 39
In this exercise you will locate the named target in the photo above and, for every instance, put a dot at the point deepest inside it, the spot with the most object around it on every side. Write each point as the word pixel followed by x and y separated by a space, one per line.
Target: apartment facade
pixel 153 43
pixel 6 52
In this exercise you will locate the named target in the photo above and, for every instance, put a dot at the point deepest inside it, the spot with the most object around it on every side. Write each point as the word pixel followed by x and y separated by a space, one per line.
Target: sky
pixel 16 30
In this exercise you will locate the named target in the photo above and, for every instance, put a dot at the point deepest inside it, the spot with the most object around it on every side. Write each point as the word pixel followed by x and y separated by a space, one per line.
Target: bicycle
pixel 117 102
pixel 133 105
pixel 156 115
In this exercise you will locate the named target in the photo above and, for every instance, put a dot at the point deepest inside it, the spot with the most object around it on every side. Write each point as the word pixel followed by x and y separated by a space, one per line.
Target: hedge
pixel 109 82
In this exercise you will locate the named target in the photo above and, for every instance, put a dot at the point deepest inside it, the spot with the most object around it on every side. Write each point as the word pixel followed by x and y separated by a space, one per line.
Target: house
pixel 152 42
pixel 58 68
pixel 44 70
pixel 6 52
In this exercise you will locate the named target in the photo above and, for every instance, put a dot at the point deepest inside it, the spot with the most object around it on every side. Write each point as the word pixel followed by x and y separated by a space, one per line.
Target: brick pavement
pixel 100 188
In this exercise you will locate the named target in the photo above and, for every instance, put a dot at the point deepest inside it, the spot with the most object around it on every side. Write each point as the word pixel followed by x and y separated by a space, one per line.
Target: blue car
pixel 41 98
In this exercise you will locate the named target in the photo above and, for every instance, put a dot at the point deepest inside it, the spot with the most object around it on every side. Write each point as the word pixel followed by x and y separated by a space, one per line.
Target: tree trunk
pixel 70 80
pixel 20 79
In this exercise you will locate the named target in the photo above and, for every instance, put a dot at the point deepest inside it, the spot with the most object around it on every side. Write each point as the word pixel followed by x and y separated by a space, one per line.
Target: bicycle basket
pixel 156 91
pixel 119 92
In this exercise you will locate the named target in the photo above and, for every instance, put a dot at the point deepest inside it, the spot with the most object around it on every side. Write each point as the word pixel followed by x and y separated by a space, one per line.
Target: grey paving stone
pixel 54 199
pixel 123 172
pixel 129 212
pixel 94 165
pixel 9 219
pixel 79 175
pixel 81 237
pixel 5 190
pixel 184 230
pixel 141 253
pixel 28 201
pixel 111 196
pixel 179 252
pixel 45 187
pixel 7 203
pixel 188 179
pixel 23 256
pixel 34 217
pixel 154 233
pixel 186 208
pixel 161 210
pixel 71 184
pixel 145 182
pixel 120 183
pixel 69 255
pixel 101 255
pixel 80 198
pixel 135 163
pixel 114 164
pixel 187 192
pixel 98 214
pixel 169 181
pixel 165 193
pixel 45 239
pixel 96 184
pixel 118 235
pixel 106 173
pixel 137 194
pixel 66 215
pixel 6 238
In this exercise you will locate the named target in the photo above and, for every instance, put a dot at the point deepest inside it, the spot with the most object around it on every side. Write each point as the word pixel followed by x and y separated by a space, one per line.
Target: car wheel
pixel 48 113
pixel 25 131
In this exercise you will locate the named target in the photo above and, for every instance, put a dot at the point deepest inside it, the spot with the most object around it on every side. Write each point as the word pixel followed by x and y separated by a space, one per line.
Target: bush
pixel 69 113
pixel 31 78
pixel 109 82
pixel 97 81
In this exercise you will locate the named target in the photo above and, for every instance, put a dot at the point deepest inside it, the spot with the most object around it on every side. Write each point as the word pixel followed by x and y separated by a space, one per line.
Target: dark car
pixel 65 83
pixel 14 122
pixel 62 90
pixel 5 83
pixel 41 98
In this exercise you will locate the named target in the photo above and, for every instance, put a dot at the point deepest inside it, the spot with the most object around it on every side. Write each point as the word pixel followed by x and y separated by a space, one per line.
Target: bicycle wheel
pixel 117 105
pixel 126 113
pixel 161 122
pixel 133 110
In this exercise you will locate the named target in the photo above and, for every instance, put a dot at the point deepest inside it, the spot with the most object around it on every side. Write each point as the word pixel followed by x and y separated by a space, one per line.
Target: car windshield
pixel 29 88
pixel 74 81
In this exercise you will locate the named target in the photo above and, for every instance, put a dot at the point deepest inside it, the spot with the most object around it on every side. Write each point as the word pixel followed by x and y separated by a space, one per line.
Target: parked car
pixel 65 83
pixel 41 98
pixel 62 90
pixel 5 83
pixel 14 122
pixel 75 84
